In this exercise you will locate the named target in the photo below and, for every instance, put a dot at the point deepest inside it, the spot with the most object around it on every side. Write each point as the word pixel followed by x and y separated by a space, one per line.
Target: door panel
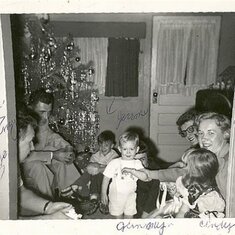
pixel 163 128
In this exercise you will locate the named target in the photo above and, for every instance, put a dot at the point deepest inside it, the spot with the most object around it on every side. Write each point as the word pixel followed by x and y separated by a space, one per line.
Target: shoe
pixel 104 209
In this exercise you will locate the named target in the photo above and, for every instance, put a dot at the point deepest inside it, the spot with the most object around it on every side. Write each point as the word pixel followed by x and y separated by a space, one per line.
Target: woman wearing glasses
pixel 187 128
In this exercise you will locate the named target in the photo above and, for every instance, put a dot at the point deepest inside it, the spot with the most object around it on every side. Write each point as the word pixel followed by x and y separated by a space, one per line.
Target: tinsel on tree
pixel 55 64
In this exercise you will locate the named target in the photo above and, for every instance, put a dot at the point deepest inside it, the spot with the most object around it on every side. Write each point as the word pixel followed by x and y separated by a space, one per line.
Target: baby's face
pixel 105 147
pixel 128 150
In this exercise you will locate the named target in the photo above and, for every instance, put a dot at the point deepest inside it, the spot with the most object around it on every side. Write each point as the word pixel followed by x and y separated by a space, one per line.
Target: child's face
pixel 105 147
pixel 128 150
pixel 143 158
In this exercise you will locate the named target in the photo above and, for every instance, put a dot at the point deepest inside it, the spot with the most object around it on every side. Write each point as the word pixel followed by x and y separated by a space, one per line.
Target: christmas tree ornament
pixel 86 149
pixel 70 46
pixel 53 126
pixel 61 121
pixel 91 71
pixel 33 54
pixel 52 42
pixel 43 29
pixel 78 59
pixel 49 51
pixel 47 57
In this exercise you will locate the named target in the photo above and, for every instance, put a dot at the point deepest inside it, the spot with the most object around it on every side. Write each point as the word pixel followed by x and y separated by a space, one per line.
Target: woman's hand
pixel 127 170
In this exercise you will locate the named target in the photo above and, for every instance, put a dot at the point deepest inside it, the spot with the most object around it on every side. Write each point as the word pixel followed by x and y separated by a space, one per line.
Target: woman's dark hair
pixel 189 115
pixel 26 117
pixel 202 165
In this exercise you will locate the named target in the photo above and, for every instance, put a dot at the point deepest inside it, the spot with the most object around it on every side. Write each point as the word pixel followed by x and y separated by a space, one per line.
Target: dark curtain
pixel 122 67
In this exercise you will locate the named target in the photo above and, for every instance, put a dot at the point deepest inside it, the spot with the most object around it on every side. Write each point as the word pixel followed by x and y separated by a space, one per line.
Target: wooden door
pixel 163 128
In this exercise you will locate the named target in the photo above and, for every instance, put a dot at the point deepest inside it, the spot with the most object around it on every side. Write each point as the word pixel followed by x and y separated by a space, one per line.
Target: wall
pixel 117 113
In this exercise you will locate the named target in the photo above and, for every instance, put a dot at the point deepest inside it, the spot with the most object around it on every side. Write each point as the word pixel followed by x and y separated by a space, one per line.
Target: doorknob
pixel 155 96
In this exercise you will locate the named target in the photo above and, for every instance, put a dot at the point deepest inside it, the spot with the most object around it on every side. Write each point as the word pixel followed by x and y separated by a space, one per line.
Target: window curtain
pixel 184 53
pixel 94 49
pixel 122 68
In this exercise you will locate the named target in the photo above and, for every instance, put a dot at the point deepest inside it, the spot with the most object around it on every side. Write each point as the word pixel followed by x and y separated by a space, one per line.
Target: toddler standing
pixel 122 191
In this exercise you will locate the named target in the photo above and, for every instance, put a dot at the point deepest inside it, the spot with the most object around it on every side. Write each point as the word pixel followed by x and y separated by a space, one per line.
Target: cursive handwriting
pixel 221 225
pixel 160 226
pixel 3 156
pixel 109 109
pixel 10 127
pixel 122 117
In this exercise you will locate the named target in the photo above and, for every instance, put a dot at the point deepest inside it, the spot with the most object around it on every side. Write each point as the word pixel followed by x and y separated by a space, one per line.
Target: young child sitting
pixel 197 193
pixel 99 160
pixel 122 191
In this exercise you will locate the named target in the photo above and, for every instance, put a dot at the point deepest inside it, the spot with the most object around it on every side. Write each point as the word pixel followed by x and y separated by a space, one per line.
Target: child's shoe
pixel 104 209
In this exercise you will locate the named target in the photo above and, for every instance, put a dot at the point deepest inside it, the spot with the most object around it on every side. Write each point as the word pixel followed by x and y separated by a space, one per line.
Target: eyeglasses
pixel 190 129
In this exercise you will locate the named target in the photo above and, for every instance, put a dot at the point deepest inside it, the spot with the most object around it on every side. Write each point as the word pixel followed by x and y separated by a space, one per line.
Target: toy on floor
pixel 73 215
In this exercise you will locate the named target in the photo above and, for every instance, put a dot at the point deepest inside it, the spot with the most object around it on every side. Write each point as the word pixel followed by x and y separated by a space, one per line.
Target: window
pixel 122 67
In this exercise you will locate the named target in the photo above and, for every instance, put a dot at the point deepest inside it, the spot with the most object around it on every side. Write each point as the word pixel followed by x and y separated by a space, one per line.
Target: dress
pixel 46 175
pixel 122 190
pixel 203 203
pixel 96 180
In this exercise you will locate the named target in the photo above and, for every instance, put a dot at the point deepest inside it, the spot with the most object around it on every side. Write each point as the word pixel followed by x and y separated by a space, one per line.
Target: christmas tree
pixel 54 64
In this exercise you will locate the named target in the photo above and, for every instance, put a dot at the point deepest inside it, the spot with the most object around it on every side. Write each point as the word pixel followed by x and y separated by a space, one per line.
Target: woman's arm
pixel 165 175
pixel 62 155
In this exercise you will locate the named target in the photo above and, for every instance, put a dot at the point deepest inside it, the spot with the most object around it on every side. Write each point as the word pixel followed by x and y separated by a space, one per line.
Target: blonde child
pixel 197 193
pixel 121 198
